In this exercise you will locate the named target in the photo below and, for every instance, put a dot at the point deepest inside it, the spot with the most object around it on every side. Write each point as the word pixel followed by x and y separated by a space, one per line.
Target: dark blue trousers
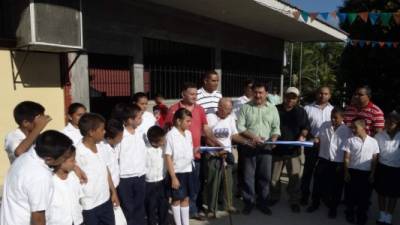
pixel 132 192
pixel 100 215
pixel 156 203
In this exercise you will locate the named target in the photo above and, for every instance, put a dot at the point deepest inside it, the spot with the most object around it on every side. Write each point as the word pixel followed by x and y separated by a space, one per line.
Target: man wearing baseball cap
pixel 294 126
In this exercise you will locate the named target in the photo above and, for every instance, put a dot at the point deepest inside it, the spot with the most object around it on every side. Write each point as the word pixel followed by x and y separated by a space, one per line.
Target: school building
pixel 56 52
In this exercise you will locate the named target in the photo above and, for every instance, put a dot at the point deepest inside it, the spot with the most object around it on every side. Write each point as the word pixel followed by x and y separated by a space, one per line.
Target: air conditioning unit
pixel 49 25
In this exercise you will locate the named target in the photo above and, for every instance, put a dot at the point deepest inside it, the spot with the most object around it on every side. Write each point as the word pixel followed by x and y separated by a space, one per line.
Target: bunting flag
pixel 373 44
pixel 385 18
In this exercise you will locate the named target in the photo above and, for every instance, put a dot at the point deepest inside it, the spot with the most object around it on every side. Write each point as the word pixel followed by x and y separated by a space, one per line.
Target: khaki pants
pixel 293 167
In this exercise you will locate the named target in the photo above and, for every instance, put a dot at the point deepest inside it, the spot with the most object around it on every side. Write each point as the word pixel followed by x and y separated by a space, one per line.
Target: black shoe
pixel 295 208
pixel 350 217
pixel 272 202
pixel 312 208
pixel 247 209
pixel 198 217
pixel 304 201
pixel 332 213
pixel 265 210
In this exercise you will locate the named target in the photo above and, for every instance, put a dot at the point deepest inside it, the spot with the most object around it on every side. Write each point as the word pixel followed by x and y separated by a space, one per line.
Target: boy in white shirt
pixel 96 203
pixel 132 164
pixel 75 112
pixel 156 200
pixel 31 121
pixel 360 159
pixel 28 186
pixel 65 208
pixel 328 175
pixel 220 164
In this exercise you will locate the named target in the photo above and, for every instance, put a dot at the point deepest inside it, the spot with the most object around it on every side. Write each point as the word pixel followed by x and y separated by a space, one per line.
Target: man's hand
pixel 258 140
pixel 41 121
pixel 223 154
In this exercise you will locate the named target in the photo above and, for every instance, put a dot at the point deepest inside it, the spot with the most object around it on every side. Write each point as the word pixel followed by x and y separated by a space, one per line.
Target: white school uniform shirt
pixel 332 141
pixel 110 156
pixel 180 148
pixel 13 139
pixel 237 105
pixel 361 152
pixel 72 133
pixel 223 129
pixel 317 116
pixel 209 101
pixel 132 154
pixel 148 120
pixel 65 208
pixel 389 149
pixel 96 191
pixel 155 165
pixel 28 187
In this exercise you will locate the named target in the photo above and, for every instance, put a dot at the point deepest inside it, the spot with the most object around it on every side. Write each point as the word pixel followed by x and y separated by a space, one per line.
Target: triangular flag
pixel 382 44
pixel 334 14
pixel 368 43
pixel 313 15
pixel 396 17
pixel 385 18
pixel 304 15
pixel 324 15
pixel 342 17
pixel 361 43
pixel 351 17
pixel 373 17
pixel 395 44
pixel 389 44
pixel 374 44
pixel 363 16
pixel 296 14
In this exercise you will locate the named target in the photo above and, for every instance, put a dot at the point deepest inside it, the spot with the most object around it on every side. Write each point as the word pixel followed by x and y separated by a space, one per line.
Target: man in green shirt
pixel 259 121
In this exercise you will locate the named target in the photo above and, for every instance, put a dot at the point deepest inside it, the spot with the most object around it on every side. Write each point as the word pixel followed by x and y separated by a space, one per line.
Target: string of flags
pixel 384 18
pixel 372 44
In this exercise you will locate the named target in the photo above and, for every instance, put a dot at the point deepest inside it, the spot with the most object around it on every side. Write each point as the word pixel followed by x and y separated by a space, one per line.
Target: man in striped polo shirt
pixel 208 96
pixel 362 107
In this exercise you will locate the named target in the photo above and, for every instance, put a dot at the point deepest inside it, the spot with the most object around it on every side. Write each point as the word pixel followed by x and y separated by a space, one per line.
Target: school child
pixel 156 200
pixel 132 164
pixel 329 174
pixel 31 121
pixel 28 185
pixel 148 120
pixel 387 183
pixel 360 159
pixel 96 203
pixel 65 208
pixel 75 112
pixel 179 159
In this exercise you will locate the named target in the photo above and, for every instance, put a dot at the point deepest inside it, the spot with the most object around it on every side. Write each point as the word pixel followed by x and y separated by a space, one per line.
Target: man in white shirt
pixel 28 186
pixel 318 112
pixel 223 126
pixel 274 97
pixel 245 98
pixel 208 96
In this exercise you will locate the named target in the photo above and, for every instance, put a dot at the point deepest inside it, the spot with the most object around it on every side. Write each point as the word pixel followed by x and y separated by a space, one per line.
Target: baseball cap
pixel 293 90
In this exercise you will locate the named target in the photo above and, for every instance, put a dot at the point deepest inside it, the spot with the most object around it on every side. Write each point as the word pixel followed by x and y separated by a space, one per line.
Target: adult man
pixel 198 126
pixel 245 98
pixel 318 112
pixel 274 97
pixel 258 121
pixel 208 96
pixel 294 126
pixel 220 164
pixel 363 107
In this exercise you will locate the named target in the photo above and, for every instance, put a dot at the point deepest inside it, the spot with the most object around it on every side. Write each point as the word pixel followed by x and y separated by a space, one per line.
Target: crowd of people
pixel 139 168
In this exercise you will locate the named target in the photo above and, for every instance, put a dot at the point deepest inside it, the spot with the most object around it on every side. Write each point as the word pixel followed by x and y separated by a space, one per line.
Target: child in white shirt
pixel 65 208
pixel 360 158
pixel 96 203
pixel 387 184
pixel 328 175
pixel 28 186
pixel 75 112
pixel 31 121
pixel 179 159
pixel 156 200
pixel 148 119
